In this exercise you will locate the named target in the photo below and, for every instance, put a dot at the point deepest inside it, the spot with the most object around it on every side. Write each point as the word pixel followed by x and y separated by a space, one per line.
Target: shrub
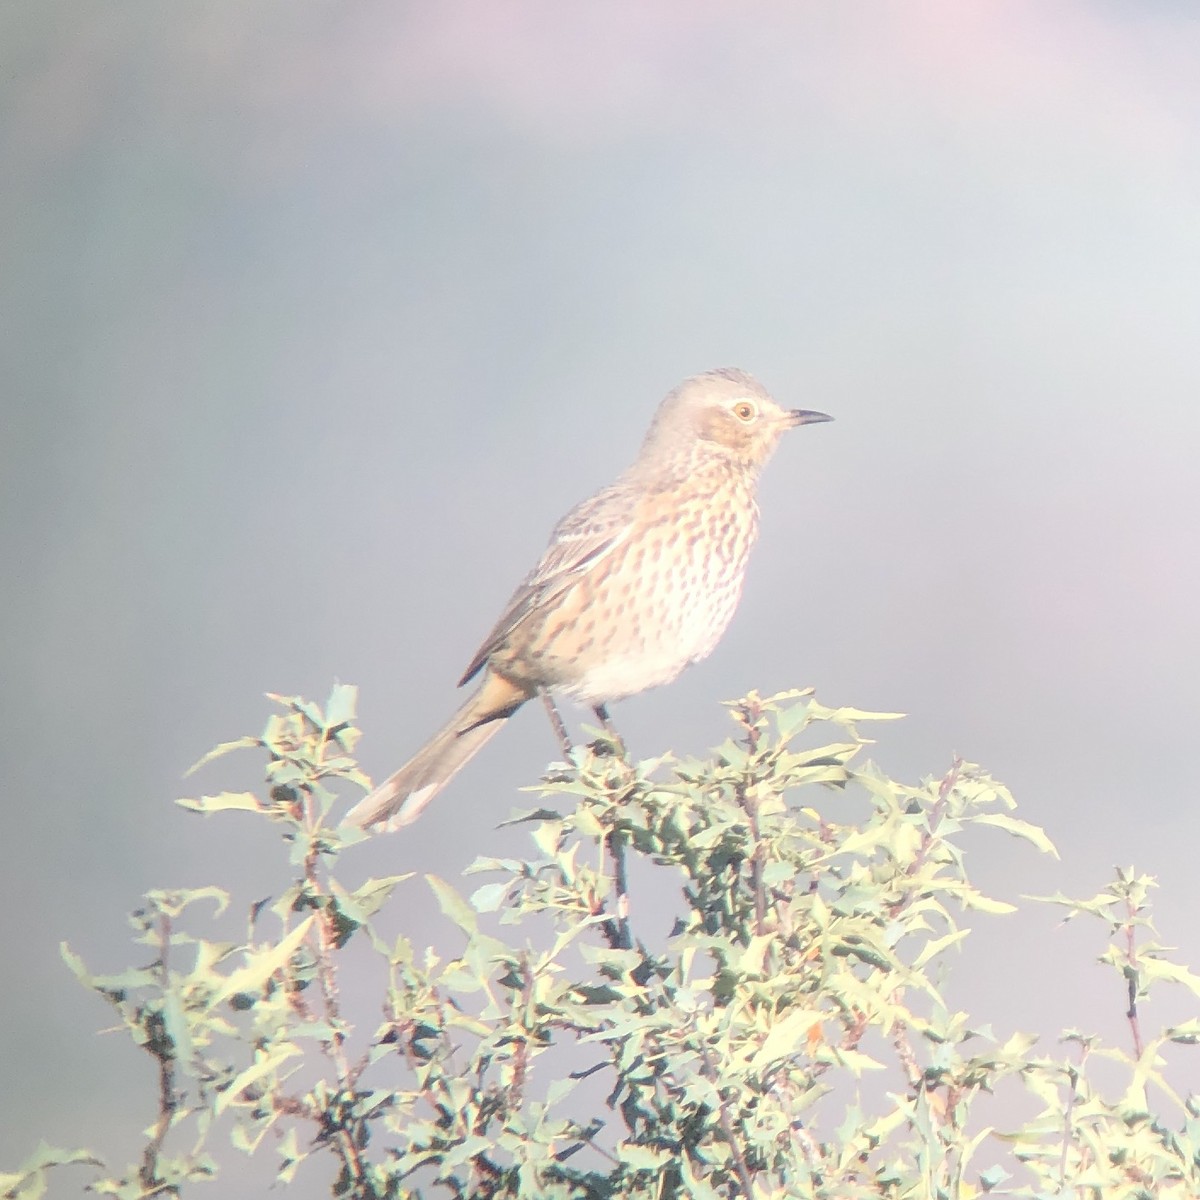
pixel 770 1025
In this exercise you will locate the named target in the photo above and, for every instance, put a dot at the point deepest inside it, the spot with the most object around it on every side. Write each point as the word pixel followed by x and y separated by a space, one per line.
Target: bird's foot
pixel 615 743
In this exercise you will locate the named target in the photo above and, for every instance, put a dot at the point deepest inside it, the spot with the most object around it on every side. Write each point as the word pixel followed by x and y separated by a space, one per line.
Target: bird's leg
pixel 601 711
pixel 560 728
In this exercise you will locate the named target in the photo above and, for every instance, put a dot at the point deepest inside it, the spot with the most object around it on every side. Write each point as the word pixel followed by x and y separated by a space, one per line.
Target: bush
pixel 775 1029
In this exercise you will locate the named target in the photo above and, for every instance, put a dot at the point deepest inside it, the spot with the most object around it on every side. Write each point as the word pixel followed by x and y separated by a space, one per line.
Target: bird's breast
pixel 659 601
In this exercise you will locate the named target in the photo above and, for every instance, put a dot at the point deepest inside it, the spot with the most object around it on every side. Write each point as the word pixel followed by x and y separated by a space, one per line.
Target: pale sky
pixel 317 318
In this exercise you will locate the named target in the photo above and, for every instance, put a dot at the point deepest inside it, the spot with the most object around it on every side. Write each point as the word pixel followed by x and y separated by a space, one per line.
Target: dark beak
pixel 806 416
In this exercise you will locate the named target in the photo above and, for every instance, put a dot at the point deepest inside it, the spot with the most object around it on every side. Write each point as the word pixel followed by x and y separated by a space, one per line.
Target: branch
pixel 163 1049
pixel 745 1179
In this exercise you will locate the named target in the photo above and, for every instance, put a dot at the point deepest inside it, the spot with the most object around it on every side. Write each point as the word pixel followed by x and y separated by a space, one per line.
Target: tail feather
pixel 403 796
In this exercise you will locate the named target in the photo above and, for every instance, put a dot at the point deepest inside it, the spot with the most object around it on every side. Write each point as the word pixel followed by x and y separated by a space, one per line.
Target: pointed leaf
pixel 341 706
pixel 243 743
pixel 252 978
pixel 253 1073
pixel 241 801
pixel 453 905
pixel 1018 828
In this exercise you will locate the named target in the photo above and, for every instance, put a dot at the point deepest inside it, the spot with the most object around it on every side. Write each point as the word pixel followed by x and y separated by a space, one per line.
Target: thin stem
pixel 324 949
pixel 1132 974
pixel 936 813
pixel 616 848
pixel 1068 1117
pixel 163 1050
pixel 750 808
pixel 740 1165
pixel 906 1054
pixel 520 1066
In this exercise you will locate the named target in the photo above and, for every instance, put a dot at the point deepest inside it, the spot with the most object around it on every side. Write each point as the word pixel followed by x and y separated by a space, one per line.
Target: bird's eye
pixel 745 411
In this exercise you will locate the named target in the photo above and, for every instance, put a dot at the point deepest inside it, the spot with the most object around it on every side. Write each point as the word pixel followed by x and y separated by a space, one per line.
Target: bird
pixel 639 581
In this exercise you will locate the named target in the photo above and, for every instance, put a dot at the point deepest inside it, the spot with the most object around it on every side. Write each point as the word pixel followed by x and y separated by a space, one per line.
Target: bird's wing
pixel 585 536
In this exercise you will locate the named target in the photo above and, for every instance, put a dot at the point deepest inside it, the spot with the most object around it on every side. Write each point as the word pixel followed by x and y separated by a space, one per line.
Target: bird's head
pixel 724 414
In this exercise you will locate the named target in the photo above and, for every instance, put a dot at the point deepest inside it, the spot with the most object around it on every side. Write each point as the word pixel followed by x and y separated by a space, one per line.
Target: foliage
pixel 779 1030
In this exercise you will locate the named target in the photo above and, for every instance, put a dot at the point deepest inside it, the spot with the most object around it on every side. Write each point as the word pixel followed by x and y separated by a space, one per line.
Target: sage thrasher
pixel 638 581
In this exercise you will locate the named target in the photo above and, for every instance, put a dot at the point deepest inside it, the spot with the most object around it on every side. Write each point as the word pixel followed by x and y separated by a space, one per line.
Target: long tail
pixel 402 797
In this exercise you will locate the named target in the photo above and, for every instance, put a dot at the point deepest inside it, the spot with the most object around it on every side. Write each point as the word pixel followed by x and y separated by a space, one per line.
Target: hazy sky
pixel 317 317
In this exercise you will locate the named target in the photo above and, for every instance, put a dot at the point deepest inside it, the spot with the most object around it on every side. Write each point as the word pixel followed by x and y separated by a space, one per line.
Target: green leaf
pixel 851 715
pixel 244 743
pixel 696 1187
pixel 1154 970
pixel 971 898
pixel 786 1037
pixel 240 801
pixel 341 707
pixel 559 1089
pixel 173 901
pixel 645 1158
pixel 1187 1033
pixel 789 721
pixel 175 1025
pixel 75 964
pixel 993 1176
pixel 453 905
pixel 935 947
pixel 1018 828
pixel 548 837
pixel 268 1063
pixel 371 896
pixel 525 816
pixel 28 1181
pixel 252 978
pixel 489 897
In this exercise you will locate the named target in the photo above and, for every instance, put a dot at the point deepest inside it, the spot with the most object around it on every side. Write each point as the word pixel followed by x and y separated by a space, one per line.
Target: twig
pixel 907 1056
pixel 750 808
pixel 323 950
pixel 1068 1117
pixel 587 1138
pixel 1132 974
pixel 615 842
pixel 936 813
pixel 930 836
pixel 609 927
pixel 516 1091
pixel 163 1049
pixel 750 714
pixel 739 1159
